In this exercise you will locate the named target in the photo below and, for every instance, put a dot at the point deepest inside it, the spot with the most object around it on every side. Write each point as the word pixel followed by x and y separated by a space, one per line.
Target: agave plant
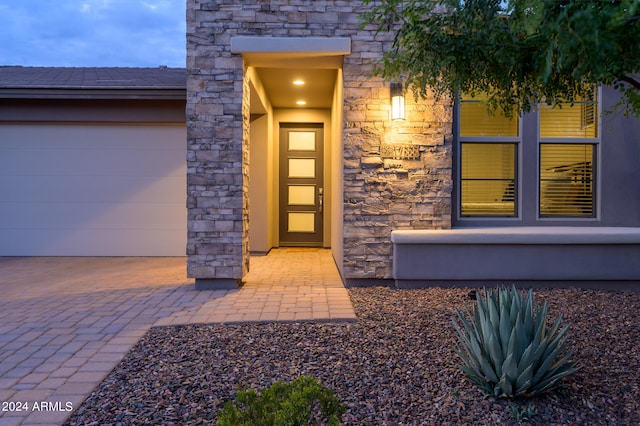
pixel 507 348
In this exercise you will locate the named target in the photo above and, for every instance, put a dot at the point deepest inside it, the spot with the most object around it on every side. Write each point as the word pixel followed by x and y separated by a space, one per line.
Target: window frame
pixel 595 141
pixel 527 197
pixel 459 140
pixel 516 190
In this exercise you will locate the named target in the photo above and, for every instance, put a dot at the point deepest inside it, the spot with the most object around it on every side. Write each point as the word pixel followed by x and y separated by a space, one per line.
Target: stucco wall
pixel 620 173
pixel 396 175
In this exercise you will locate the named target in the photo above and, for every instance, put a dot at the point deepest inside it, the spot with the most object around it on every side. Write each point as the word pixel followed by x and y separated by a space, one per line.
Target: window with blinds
pixel 568 141
pixel 488 179
pixel 566 179
pixel 577 120
pixel 560 142
pixel 476 121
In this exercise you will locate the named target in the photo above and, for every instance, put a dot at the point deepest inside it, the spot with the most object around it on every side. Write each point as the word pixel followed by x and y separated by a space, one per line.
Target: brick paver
pixel 66 322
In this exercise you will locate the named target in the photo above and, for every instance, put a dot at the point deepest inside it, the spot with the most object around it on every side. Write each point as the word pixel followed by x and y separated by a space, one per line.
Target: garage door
pixel 92 190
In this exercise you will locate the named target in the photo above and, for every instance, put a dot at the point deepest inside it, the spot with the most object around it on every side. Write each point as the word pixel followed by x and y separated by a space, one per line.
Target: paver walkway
pixel 66 322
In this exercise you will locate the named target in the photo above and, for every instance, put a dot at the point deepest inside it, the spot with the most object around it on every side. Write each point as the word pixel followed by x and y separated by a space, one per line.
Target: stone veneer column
pixel 397 175
pixel 217 157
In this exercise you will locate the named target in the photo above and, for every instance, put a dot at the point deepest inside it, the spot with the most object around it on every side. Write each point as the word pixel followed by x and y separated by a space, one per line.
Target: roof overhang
pixel 88 93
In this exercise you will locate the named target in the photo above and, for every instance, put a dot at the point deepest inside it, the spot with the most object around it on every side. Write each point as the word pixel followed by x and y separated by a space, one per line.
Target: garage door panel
pixel 88 136
pixel 38 216
pixel 58 242
pixel 29 162
pixel 88 189
pixel 92 190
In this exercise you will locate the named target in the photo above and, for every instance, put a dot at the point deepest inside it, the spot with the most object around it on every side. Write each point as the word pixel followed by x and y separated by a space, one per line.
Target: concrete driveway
pixel 65 323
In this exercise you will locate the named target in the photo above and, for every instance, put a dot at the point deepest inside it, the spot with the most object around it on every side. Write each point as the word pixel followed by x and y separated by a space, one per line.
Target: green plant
pixel 301 402
pixel 521 414
pixel 506 347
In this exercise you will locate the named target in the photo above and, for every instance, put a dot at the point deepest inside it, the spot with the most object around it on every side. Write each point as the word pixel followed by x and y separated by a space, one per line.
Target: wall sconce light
pixel 397 101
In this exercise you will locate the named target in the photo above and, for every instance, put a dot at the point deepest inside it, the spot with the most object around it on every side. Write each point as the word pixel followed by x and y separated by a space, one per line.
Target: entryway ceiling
pixel 317 90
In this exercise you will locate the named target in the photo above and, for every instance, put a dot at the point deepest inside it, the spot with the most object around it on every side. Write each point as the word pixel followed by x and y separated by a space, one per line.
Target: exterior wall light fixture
pixel 397 100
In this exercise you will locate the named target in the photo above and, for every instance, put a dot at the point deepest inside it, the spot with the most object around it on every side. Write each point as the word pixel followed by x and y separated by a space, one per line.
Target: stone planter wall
pixel 397 175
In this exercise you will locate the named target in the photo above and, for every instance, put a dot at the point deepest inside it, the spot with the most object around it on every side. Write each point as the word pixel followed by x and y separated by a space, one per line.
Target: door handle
pixel 320 199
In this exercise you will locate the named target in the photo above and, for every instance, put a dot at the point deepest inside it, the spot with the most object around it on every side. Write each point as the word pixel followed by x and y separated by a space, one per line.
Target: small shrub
pixel 303 401
pixel 522 414
pixel 506 347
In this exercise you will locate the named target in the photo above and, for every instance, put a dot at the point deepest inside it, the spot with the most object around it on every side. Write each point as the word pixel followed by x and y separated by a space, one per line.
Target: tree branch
pixel 632 81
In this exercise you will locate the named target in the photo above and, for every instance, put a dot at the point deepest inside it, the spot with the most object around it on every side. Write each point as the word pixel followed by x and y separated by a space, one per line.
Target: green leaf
pixel 528 315
pixel 523 382
pixel 505 330
pixel 552 380
pixel 522 341
pixel 510 369
pixel 546 364
pixel 494 317
pixel 505 386
pixel 495 354
pixel 516 305
pixel 528 356
pixel 520 51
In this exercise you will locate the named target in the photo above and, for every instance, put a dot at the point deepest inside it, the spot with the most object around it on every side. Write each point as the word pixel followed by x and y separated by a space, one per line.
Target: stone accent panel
pixel 217 193
pixel 397 175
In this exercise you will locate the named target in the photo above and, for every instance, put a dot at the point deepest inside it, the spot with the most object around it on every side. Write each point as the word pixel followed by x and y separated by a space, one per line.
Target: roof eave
pixel 69 93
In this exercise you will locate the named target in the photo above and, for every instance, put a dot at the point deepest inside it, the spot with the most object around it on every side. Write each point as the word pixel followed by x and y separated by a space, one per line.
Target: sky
pixel 93 33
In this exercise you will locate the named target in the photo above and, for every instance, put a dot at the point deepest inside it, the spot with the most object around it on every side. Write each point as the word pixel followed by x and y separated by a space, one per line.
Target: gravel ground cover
pixel 394 366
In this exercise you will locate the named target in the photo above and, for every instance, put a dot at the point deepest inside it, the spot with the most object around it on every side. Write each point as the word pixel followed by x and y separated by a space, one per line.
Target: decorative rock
pixel 395 365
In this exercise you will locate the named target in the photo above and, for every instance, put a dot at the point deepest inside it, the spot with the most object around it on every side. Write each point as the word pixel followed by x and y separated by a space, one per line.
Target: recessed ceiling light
pixel 301 102
pixel 298 82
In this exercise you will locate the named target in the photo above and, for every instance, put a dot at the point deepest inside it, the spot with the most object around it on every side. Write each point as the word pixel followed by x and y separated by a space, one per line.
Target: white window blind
pixel 475 120
pixel 570 121
pixel 566 180
pixel 488 172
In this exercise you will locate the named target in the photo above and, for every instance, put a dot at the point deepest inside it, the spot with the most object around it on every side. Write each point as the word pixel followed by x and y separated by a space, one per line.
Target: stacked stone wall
pixel 397 175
